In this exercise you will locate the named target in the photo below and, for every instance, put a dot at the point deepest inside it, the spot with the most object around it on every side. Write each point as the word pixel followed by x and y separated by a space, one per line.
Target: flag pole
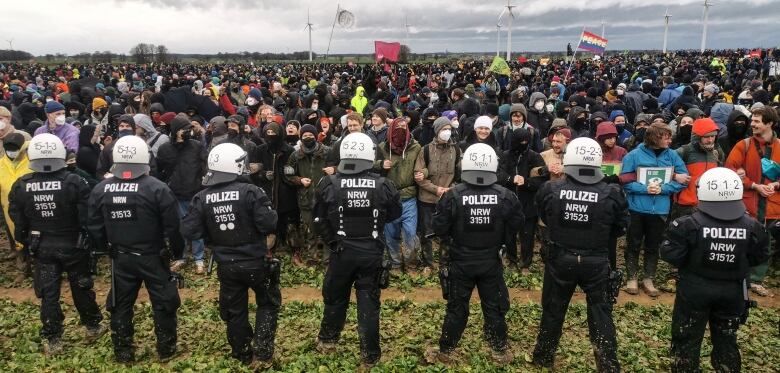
pixel 573 56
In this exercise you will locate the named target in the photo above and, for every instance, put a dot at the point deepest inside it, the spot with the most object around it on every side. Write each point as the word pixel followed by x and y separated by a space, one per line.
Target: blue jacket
pixel 669 94
pixel 638 198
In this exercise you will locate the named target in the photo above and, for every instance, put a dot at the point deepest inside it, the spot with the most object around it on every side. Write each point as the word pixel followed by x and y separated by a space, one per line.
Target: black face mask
pixel 232 133
pixel 740 128
pixel 519 147
pixel 640 134
pixel 309 142
pixel 71 167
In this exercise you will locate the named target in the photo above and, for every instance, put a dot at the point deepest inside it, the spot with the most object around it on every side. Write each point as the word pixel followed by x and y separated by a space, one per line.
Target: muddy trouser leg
pixel 655 225
pixel 368 294
pixel 233 304
pixel 689 320
pixel 456 317
pixel 558 287
pixel 635 236
pixel 594 280
pixel 269 300
pixel 527 242
pixel 48 273
pixel 425 228
pixel 724 322
pixel 165 301
pixel 494 299
pixel 127 282
pixel 81 285
pixel 336 289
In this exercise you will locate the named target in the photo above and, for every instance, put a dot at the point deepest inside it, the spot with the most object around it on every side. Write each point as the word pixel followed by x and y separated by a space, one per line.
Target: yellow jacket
pixel 10 171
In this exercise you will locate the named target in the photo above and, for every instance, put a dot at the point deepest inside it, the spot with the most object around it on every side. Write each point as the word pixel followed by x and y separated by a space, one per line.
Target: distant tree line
pixel 14 55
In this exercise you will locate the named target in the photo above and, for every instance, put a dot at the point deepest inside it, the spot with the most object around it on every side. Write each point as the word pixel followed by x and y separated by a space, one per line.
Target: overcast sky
pixel 211 26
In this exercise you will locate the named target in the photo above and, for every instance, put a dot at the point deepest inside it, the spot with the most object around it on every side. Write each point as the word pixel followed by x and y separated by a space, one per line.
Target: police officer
pixel 234 217
pixel 479 216
pixel 49 207
pixel 714 249
pixel 350 210
pixel 581 212
pixel 136 213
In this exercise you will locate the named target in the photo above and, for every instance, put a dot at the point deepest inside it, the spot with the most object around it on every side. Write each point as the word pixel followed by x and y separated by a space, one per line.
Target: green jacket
pixel 302 165
pixel 402 171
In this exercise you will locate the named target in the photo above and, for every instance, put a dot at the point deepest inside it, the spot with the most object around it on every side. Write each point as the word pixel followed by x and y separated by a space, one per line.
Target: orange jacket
pixel 749 160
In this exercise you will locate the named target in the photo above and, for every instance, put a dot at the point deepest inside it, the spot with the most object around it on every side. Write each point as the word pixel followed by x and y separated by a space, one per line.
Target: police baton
pixel 211 264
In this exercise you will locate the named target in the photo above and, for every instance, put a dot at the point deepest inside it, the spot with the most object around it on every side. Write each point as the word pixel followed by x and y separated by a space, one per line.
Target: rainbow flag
pixel 592 42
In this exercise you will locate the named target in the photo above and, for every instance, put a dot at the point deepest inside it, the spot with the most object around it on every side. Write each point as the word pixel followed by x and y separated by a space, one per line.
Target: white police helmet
pixel 582 160
pixel 719 191
pixel 226 162
pixel 46 153
pixel 130 157
pixel 357 153
pixel 479 165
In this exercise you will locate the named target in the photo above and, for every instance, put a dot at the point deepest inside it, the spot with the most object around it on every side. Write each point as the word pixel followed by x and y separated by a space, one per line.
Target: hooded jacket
pixel 638 199
pixel 359 102
pixel 89 153
pixel 734 135
pixel 614 154
pixel 154 138
pixel 541 120
pixel 182 165
pixel 10 171
pixel 514 162
pixel 402 171
pixel 576 129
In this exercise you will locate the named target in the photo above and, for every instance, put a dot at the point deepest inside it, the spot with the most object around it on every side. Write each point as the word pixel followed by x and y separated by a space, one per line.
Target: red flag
pixel 387 51
pixel 522 59
pixel 756 53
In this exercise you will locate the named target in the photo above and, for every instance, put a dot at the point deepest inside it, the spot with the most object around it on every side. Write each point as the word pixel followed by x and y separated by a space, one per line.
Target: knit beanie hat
pixel 439 123
pixel 309 128
pixel 53 107
pixel 98 103
pixel 703 126
pixel 484 121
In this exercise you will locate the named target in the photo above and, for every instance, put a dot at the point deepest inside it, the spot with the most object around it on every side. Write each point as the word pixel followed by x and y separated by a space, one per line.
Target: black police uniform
pixel 479 219
pixel 55 204
pixel 234 218
pixel 581 218
pixel 136 217
pixel 714 257
pixel 350 212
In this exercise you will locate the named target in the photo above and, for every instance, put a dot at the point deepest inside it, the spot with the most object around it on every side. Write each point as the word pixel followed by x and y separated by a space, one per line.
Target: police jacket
pixel 135 216
pixel 54 204
pixel 182 166
pixel 716 249
pixel 234 218
pixel 582 216
pixel 478 218
pixel 352 210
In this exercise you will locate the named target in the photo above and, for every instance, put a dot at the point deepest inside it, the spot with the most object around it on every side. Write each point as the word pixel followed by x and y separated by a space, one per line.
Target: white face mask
pixel 251 101
pixel 3 124
pixel 550 108
pixel 60 119
pixel 455 124
pixel 620 92
pixel 444 135
pixel 539 105
pixel 315 106
pixel 11 154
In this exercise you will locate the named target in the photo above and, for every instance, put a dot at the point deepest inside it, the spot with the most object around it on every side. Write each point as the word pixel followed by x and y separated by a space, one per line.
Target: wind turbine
pixel 309 25
pixel 10 43
pixel 707 5
pixel 666 27
pixel 602 27
pixel 498 40
pixel 509 28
